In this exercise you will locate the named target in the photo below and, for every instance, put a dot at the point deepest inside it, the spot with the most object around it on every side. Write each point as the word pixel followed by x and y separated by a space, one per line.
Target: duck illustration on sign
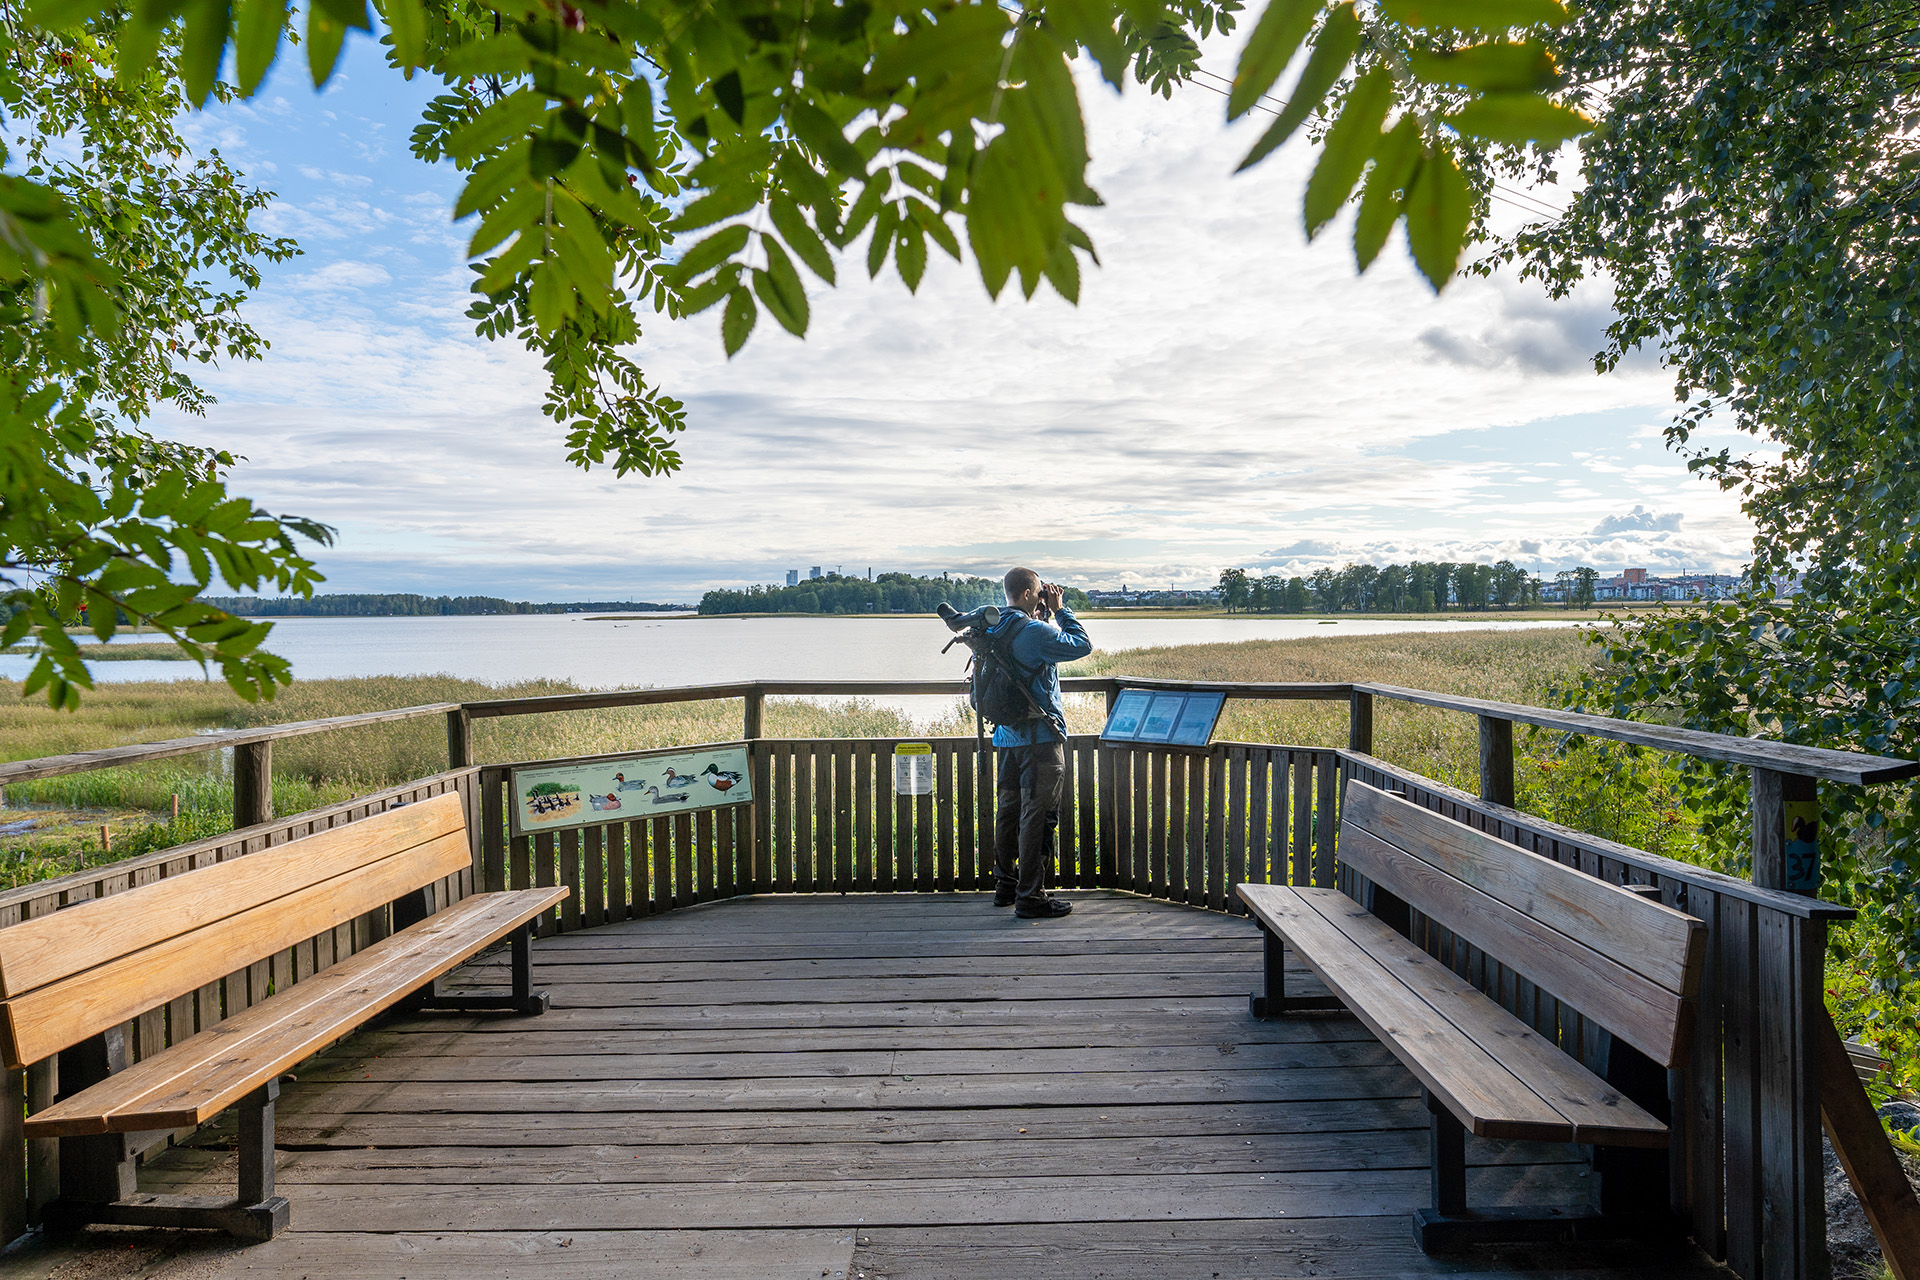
pixel 718 779
pixel 616 788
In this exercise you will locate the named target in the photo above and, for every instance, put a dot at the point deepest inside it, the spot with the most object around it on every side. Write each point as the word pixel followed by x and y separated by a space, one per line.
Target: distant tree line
pixel 1419 587
pixel 412 606
pixel 888 593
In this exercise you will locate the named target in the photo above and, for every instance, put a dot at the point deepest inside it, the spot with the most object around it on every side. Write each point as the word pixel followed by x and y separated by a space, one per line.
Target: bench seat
pixel 1498 1075
pixel 205 1074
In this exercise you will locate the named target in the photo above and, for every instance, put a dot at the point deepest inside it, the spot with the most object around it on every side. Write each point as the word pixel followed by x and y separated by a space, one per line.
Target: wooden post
pixel 1786 831
pixel 43 1154
pixel 1360 722
pixel 252 783
pixel 1867 1156
pixel 13 1157
pixel 1113 696
pixel 459 739
pixel 1496 760
pixel 756 715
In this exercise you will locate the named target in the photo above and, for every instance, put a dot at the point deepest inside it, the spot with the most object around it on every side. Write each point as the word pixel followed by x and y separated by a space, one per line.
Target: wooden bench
pixel 72 980
pixel 1629 964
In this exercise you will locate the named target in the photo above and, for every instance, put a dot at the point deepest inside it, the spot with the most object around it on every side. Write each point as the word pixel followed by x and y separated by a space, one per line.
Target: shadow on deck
pixel 852 1088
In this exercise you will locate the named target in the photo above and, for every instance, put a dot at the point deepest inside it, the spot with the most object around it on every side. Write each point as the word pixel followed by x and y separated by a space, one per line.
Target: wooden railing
pixel 1179 825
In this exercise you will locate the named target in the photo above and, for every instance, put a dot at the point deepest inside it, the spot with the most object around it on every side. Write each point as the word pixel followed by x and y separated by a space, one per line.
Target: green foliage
pixel 597 141
pixel 1750 197
pixel 888 593
pixel 1419 587
pixel 123 259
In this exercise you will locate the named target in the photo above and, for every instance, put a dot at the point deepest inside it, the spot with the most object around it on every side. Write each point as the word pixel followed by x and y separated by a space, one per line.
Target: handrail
pixel 1793 904
pixel 108 757
pixel 1811 762
pixel 1760 753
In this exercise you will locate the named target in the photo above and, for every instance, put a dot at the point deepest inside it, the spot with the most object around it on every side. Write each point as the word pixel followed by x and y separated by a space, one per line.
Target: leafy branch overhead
pixel 678 156
pixel 698 155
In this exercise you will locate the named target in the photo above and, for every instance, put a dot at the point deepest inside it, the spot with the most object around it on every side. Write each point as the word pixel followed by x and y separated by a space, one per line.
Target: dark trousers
pixel 1028 813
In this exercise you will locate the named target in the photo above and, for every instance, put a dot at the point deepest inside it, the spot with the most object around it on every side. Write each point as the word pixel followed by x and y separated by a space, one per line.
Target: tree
pixel 658 153
pixel 1233 589
pixel 1585 580
pixel 1751 199
pixel 123 259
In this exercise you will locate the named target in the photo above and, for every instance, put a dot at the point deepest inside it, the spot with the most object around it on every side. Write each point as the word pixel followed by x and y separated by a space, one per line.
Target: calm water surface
pixel 653 650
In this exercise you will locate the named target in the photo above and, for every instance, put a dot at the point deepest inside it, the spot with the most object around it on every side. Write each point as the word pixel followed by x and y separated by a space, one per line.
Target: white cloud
pixel 1639 518
pixel 1224 394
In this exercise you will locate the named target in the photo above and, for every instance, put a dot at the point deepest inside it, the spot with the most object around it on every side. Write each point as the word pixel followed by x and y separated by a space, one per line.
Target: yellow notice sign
pixel 913 769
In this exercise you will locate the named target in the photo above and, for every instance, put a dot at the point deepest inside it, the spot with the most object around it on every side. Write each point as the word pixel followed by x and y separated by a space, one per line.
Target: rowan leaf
pixel 1395 162
pixel 1494 67
pixel 1349 144
pixel 737 321
pixel 407 20
pixel 1333 49
pixel 1439 210
pixel 780 289
pixel 203 46
pixel 801 238
pixel 826 139
pixel 258 29
pixel 1518 118
pixel 710 252
pixel 1276 38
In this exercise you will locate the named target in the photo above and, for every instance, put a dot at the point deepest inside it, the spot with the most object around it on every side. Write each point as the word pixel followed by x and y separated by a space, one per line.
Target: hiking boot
pixel 1045 909
pixel 1004 898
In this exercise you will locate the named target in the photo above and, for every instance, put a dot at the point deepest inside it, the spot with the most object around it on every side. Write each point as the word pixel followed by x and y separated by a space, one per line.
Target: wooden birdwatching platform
pixel 863 1086
pixel 784 1033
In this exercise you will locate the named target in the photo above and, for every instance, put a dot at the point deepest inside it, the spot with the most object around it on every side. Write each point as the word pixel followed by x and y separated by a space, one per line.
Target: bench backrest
pixel 82 970
pixel 1628 963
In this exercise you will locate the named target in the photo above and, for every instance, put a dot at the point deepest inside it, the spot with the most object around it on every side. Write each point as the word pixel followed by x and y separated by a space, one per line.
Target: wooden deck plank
pixel 403 1206
pixel 743 1087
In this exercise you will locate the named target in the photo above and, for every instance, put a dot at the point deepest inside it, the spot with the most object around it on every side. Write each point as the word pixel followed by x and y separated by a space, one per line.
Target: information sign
pixel 1163 718
pixel 550 797
pixel 913 769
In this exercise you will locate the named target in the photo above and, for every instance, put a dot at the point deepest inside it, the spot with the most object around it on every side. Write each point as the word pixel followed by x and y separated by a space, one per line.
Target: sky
pixel 1226 394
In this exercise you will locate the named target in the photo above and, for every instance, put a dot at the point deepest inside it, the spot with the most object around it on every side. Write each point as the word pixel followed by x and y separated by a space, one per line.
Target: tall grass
pixel 1616 794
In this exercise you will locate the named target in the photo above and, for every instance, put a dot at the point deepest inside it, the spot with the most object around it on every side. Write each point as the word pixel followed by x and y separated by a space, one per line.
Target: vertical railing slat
pixel 943 791
pixel 863 761
pixel 1239 770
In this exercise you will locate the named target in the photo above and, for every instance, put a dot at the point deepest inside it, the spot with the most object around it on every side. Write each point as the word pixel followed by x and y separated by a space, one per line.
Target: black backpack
pixel 1001 689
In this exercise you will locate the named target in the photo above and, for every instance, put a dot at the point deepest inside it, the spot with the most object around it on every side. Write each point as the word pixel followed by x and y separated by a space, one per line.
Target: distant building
pixel 793 577
pixel 813 573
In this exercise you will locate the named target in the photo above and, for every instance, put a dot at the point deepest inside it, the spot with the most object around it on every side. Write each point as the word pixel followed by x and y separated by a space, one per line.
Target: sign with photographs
pixel 1155 717
pixel 622 788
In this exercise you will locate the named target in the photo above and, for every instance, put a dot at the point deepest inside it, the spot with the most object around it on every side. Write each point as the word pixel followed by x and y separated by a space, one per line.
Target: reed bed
pixel 1574 785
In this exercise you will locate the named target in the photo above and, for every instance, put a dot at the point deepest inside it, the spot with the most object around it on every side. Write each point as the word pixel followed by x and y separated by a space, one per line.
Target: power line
pixel 1510 195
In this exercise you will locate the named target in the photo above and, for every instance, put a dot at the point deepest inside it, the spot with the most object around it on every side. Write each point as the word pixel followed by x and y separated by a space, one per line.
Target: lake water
pixel 654 650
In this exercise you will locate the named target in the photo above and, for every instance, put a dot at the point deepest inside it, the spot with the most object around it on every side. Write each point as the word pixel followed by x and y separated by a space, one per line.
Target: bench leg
pixel 1448 1158
pixel 523 999
pixel 256 1214
pixel 1450 1225
pixel 1273 1001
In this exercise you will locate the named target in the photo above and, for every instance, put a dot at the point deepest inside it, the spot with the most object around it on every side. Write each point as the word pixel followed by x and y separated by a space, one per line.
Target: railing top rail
pixel 108 757
pixel 1815 762
pixel 1759 753
pixel 1792 904
pixel 262 832
pixel 1285 691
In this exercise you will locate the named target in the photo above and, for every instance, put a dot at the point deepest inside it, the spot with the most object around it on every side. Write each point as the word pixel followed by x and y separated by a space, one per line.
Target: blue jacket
pixel 1041 645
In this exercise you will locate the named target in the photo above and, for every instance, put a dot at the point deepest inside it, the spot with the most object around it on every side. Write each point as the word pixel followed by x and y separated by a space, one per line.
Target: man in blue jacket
pixel 1033 755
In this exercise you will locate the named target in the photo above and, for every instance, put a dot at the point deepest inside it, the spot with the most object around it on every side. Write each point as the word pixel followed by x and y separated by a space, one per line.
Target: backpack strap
pixel 1025 675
